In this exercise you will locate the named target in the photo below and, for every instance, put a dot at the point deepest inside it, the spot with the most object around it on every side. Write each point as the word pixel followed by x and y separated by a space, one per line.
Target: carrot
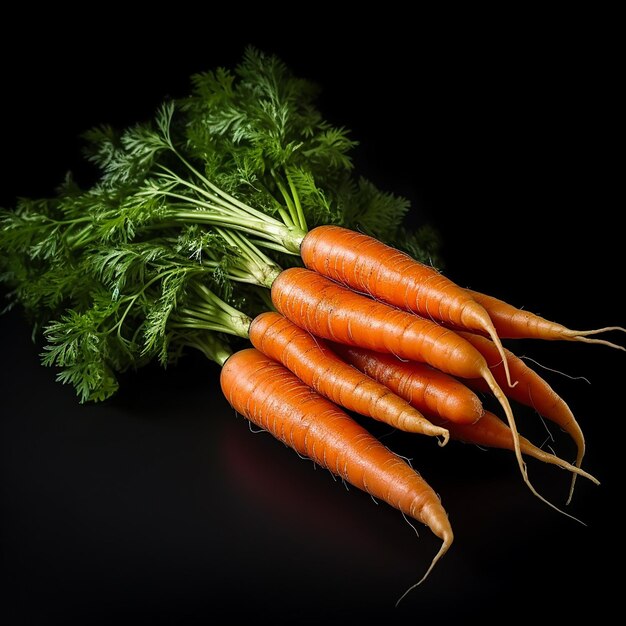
pixel 532 390
pixel 275 399
pixel 427 389
pixel 490 431
pixel 513 323
pixel 444 399
pixel 320 368
pixel 369 266
pixel 330 311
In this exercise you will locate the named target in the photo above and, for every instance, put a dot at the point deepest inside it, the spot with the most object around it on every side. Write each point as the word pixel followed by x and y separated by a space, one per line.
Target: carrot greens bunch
pixel 235 217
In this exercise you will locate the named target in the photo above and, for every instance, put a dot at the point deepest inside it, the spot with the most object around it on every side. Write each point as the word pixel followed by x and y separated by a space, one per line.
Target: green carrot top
pixel 213 196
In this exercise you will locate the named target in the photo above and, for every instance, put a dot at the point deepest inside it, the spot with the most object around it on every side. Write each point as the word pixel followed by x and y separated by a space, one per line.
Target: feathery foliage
pixel 191 215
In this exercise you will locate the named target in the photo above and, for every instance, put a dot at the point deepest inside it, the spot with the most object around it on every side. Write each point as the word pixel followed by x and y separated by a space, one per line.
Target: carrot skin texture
pixel 319 367
pixel 514 323
pixel 369 266
pixel 330 311
pixel 275 399
pixel 429 390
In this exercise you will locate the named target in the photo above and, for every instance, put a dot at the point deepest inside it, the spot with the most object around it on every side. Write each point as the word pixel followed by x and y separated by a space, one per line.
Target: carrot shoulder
pixel 514 323
pixel 319 367
pixel 275 399
pixel 369 266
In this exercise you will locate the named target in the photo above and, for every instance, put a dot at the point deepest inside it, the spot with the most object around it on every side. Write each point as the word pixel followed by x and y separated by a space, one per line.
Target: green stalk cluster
pixel 190 218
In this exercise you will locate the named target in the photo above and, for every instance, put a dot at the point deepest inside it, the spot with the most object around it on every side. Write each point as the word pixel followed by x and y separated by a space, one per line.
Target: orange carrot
pixel 330 311
pixel 320 368
pixel 369 266
pixel 435 394
pixel 514 323
pixel 275 399
pixel 490 431
pixel 427 389
pixel 532 390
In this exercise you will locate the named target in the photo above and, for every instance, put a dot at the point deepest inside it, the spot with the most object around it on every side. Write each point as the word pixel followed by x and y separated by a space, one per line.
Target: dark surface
pixel 162 507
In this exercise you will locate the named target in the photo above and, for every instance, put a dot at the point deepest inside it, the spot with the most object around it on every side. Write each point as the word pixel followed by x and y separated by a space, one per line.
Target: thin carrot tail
pixel 496 340
pixel 480 317
pixel 556 410
pixel 578 463
pixel 597 331
pixel 600 341
pixel 585 335
pixel 502 399
pixel 574 430
pixel 550 504
pixel 447 542
pixel 532 450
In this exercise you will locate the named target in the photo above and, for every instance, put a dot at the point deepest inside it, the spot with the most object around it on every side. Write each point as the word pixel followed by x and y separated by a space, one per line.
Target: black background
pixel 161 506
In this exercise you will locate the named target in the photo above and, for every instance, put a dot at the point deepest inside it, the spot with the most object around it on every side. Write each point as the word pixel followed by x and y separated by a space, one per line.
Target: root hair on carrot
pixel 408 521
pixel 554 370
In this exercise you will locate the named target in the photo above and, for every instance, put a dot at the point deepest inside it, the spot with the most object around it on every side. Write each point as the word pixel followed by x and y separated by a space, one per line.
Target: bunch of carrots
pixel 367 328
pixel 206 212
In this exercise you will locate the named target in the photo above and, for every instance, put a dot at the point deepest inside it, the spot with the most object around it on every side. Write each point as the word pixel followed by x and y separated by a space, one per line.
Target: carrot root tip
pixel 444 548
pixel 604 342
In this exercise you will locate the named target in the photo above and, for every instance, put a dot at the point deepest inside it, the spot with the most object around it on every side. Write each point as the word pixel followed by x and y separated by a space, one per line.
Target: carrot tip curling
pixel 447 542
